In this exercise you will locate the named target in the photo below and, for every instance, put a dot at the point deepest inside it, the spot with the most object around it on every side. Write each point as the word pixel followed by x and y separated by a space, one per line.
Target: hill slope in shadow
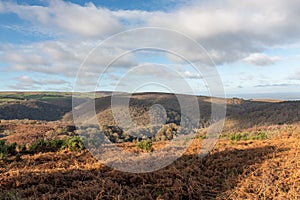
pixel 240 113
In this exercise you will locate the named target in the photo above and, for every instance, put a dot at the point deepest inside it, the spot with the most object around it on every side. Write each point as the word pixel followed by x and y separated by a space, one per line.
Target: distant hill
pixel 35 110
pixel 57 106
pixel 240 113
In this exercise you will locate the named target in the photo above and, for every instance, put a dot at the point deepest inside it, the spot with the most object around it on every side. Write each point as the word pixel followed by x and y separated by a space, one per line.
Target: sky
pixel 251 46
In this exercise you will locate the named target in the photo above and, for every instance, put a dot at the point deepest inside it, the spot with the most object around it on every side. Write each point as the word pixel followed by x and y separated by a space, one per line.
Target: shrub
pixel 74 143
pixel 46 146
pixel 39 146
pixel 7 150
pixel 145 145
pixel 11 149
pixel 57 143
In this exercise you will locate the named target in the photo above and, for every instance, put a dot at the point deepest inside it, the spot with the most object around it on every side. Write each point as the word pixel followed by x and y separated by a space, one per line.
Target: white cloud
pixel 54 57
pixel 163 71
pixel 295 76
pixel 191 75
pixel 260 59
pixel 230 30
pixel 73 19
pixel 28 83
pixel 278 85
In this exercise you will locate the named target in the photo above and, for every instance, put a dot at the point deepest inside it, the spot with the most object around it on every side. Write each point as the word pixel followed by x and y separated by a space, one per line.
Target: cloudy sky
pixel 254 45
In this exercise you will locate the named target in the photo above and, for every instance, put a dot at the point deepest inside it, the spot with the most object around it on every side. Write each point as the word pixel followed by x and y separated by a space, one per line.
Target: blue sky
pixel 255 45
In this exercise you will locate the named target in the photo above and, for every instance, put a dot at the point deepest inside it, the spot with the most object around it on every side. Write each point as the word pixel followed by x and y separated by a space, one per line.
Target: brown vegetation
pixel 256 157
pixel 252 169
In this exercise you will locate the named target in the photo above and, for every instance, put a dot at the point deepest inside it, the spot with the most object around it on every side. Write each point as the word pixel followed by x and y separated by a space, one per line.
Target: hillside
pixel 240 113
pixel 41 157
pixel 246 169
pixel 57 106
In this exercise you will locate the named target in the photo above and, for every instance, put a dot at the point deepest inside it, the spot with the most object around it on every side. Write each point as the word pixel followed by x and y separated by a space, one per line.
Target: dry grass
pixel 254 169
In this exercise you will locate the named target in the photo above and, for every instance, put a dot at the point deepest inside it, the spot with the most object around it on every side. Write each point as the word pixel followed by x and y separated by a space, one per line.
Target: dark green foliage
pixel 39 146
pixel 57 143
pixel 7 150
pixel 11 149
pixel 74 143
pixel 46 146
pixel 22 148
pixel 145 145
pixel 18 157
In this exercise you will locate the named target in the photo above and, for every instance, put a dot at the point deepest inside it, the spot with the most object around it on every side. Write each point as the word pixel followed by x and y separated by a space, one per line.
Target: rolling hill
pixel 242 113
pixel 256 157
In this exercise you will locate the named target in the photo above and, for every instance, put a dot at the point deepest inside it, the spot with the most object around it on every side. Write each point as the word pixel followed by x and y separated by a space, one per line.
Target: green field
pixel 23 96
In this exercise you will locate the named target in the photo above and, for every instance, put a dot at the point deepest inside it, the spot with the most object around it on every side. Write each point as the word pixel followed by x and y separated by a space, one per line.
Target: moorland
pixel 43 157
